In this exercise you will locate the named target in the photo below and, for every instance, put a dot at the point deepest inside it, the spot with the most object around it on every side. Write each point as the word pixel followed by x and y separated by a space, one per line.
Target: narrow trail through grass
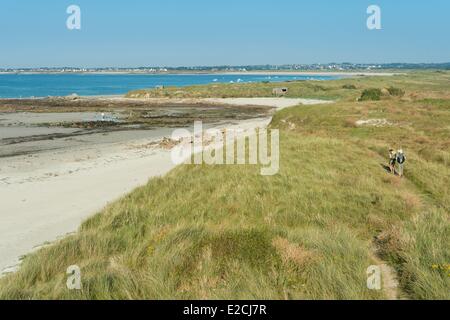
pixel 390 285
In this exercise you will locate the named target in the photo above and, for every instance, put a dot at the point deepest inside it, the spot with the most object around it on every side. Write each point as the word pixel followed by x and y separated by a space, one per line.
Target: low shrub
pixel 371 95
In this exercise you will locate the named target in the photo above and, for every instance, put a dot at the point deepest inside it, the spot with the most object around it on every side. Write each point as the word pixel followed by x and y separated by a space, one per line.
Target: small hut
pixel 280 91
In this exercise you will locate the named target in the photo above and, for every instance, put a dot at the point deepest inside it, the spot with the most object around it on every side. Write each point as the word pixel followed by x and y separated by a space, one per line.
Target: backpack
pixel 401 158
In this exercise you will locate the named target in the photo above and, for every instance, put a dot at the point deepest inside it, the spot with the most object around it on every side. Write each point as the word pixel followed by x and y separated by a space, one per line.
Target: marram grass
pixel 310 232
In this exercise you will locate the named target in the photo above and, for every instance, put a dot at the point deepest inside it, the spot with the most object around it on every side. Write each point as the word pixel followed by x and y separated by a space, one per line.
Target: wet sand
pixel 52 178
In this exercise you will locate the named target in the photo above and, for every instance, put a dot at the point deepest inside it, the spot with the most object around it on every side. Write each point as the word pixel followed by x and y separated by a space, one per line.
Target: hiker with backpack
pixel 392 160
pixel 400 159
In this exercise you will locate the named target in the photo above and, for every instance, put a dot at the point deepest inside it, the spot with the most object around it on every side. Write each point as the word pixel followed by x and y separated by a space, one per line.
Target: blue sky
pixel 219 32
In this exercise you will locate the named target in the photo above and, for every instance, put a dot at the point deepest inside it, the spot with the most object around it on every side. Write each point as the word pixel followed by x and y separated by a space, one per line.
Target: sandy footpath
pixel 279 103
pixel 47 194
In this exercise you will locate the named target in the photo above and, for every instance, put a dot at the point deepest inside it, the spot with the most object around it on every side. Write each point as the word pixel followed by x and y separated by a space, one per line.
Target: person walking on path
pixel 392 159
pixel 400 159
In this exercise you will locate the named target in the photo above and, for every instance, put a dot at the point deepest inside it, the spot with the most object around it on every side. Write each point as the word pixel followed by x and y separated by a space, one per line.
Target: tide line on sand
pixel 47 195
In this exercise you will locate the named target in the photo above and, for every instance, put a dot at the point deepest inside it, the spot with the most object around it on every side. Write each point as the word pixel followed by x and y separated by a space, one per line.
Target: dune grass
pixel 310 232
pixel 349 89
pixel 421 238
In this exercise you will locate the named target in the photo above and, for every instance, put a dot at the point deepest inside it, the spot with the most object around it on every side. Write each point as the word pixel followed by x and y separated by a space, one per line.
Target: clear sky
pixel 221 32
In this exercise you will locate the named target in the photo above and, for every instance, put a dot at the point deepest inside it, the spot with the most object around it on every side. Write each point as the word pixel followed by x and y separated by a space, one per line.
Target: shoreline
pixel 262 72
pixel 319 73
pixel 49 193
pixel 332 75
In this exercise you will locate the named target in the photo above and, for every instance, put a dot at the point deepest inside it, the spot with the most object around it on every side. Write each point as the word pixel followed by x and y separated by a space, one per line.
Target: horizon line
pixel 230 65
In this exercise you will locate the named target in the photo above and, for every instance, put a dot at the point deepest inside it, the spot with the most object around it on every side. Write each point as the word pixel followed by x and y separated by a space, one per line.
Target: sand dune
pixel 47 193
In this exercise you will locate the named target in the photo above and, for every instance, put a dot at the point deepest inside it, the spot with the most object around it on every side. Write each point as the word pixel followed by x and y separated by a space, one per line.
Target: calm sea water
pixel 43 85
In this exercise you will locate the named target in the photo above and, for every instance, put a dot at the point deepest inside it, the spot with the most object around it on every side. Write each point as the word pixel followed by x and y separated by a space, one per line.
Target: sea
pixel 23 85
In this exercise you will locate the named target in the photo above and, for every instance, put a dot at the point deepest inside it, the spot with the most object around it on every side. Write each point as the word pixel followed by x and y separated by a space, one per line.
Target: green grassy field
pixel 436 83
pixel 310 232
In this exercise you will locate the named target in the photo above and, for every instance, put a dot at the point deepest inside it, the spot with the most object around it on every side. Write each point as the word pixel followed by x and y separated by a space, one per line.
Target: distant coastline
pixel 300 69
pixel 118 83
pixel 257 72
pixel 317 73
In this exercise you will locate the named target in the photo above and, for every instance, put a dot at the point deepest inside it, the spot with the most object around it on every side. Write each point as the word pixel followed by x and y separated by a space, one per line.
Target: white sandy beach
pixel 47 194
